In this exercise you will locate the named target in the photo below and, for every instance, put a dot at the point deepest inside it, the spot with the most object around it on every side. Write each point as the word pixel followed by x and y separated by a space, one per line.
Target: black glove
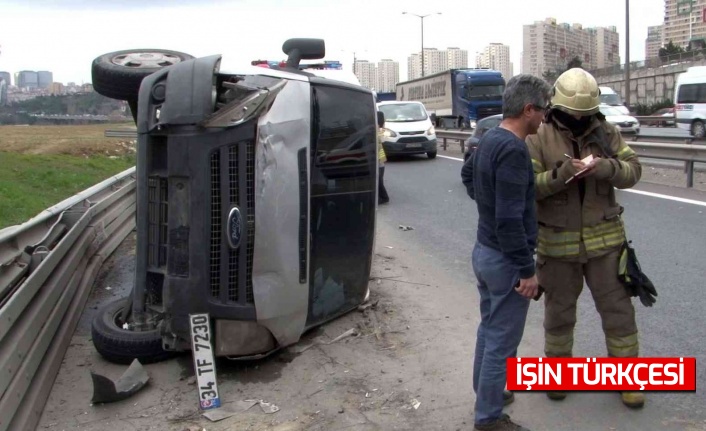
pixel 635 281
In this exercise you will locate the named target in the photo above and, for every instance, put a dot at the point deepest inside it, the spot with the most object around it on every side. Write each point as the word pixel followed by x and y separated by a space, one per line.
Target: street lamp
pixel 421 18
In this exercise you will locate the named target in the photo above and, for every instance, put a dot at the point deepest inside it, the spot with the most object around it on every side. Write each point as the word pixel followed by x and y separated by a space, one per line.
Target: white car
pixel 624 123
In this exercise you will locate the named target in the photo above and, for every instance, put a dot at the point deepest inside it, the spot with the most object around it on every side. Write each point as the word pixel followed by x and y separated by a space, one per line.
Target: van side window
pixel 692 93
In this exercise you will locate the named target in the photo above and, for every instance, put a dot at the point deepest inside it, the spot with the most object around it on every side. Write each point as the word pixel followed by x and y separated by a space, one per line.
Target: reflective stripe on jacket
pixel 569 228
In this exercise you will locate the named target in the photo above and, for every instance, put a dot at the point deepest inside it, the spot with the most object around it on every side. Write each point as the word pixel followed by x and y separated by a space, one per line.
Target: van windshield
pixel 611 99
pixel 403 112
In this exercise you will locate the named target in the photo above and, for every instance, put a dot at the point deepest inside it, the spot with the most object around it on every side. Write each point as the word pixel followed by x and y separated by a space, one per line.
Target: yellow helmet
pixel 576 92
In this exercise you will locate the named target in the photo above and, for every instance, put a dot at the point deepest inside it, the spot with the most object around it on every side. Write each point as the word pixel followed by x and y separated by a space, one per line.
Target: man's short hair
pixel 522 90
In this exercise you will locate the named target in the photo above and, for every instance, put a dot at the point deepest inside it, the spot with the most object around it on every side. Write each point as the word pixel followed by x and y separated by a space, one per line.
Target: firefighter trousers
pixel 563 283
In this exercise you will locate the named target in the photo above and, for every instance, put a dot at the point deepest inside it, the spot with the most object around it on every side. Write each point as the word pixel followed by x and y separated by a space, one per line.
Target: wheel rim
pixel 145 60
pixel 152 320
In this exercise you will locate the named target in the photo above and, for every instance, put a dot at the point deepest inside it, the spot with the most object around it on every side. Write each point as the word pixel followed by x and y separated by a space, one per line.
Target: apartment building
pixel 496 56
pixel 654 41
pixel 683 21
pixel 548 45
pixel 388 75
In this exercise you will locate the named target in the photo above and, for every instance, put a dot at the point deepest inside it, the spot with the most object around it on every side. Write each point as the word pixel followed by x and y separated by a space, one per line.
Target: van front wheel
pixel 697 129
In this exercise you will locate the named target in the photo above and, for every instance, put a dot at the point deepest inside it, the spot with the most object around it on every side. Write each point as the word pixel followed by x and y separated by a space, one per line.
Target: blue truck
pixel 457 98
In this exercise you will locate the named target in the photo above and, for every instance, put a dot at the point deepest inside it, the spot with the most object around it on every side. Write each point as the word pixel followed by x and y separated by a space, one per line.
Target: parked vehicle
pixel 385 97
pixel 256 197
pixel 408 129
pixel 457 97
pixel 666 113
pixel 609 97
pixel 483 126
pixel 624 123
pixel 690 108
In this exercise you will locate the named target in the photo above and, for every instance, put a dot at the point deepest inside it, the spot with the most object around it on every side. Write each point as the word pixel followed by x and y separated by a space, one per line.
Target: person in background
pixel 383 197
pixel 499 177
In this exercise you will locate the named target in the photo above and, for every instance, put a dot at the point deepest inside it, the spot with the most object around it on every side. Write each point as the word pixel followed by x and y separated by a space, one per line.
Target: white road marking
pixel 639 192
pixel 668 197
pixel 450 158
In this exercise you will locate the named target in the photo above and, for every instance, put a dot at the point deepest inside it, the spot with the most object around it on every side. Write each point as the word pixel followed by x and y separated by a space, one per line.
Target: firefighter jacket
pixel 580 220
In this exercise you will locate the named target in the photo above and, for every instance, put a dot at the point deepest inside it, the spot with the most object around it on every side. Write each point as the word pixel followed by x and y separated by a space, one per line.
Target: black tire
pixel 118 75
pixel 431 154
pixel 120 345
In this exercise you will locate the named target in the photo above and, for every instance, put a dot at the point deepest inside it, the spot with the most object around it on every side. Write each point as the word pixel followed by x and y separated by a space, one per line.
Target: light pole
pixel 421 18
pixel 627 53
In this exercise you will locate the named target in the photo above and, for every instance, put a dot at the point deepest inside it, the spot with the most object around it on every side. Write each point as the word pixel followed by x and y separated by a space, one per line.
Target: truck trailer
pixel 457 97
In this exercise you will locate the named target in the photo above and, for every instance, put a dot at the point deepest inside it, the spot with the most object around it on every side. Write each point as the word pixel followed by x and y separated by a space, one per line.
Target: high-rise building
pixel 435 61
pixel 388 75
pixel 365 72
pixel 44 79
pixel 7 77
pixel 414 66
pixel 496 56
pixel 683 21
pixel 27 79
pixel 548 46
pixel 654 41
pixel 457 58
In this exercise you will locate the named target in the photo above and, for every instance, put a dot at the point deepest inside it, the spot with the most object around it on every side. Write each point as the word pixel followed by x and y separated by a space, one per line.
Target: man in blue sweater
pixel 499 177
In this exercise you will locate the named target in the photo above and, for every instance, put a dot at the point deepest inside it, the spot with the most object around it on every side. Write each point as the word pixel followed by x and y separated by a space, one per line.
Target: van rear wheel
pixel 697 129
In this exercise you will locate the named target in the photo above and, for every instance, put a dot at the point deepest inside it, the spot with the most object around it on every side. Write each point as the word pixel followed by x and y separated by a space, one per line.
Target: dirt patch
pixel 81 140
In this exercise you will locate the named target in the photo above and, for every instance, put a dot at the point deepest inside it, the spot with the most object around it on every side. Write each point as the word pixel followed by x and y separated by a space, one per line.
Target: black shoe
pixel 503 423
pixel 508 397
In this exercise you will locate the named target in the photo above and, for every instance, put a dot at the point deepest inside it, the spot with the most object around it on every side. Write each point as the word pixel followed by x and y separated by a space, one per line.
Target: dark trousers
pixel 382 193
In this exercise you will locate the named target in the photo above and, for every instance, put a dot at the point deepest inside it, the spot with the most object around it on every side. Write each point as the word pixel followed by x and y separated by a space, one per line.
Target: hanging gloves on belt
pixel 631 275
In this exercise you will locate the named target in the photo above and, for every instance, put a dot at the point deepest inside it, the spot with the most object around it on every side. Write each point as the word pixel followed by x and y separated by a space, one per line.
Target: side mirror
pixel 381 119
pixel 303 49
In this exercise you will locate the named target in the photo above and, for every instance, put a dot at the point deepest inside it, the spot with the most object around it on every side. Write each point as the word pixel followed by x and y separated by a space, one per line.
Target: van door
pixel 343 193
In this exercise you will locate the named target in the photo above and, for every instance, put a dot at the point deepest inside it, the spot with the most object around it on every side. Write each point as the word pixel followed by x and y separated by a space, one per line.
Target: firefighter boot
pixel 634 400
pixel 558 346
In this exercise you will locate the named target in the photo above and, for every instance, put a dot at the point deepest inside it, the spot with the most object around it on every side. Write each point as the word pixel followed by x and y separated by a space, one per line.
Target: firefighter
pixel 580 228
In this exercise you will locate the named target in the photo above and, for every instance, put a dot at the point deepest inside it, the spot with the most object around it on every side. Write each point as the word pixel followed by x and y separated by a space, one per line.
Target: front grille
pixel 216 225
pixel 412 140
pixel 488 111
pixel 158 207
pixel 232 185
pixel 421 132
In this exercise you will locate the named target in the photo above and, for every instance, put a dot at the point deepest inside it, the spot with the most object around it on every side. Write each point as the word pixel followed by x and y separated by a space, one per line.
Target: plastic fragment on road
pixel 106 390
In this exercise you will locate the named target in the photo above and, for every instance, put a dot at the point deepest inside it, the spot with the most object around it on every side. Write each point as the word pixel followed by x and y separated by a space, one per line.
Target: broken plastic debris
pixel 268 408
pixel 348 333
pixel 216 415
pixel 405 228
pixel 415 403
pixel 132 380
pixel 387 246
pixel 126 326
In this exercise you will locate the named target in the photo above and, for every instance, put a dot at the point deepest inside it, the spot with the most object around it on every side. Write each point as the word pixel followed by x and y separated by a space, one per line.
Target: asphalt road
pixel 669 238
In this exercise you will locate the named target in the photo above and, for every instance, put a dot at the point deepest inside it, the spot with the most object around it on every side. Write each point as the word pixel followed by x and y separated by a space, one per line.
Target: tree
pixel 670 49
pixel 575 62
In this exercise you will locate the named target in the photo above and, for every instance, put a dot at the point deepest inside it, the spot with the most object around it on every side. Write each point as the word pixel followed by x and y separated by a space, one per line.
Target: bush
pixel 641 109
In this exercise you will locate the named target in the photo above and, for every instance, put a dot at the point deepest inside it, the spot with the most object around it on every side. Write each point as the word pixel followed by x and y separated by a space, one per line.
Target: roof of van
pixel 398 102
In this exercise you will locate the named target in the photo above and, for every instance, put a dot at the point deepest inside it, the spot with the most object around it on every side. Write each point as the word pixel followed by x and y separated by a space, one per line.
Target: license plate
pixel 204 365
pixel 414 145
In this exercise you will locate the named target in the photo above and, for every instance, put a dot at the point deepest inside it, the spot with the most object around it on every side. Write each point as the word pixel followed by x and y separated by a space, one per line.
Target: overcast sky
pixel 64 36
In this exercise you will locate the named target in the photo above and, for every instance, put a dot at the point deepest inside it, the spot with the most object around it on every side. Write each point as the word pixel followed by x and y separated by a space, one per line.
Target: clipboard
pixel 585 160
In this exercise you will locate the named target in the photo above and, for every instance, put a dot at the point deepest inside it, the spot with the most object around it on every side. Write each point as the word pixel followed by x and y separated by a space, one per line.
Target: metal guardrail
pixel 47 268
pixel 121 133
pixel 674 148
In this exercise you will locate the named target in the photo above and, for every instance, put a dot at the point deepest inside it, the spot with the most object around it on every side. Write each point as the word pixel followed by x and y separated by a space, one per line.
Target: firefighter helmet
pixel 576 92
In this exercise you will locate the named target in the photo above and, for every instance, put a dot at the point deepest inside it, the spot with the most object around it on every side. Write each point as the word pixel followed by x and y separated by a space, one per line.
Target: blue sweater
pixel 499 177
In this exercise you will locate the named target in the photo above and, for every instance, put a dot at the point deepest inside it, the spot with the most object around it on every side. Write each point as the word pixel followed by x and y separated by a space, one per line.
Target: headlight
pixel 388 133
pixel 473 124
pixel 431 131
